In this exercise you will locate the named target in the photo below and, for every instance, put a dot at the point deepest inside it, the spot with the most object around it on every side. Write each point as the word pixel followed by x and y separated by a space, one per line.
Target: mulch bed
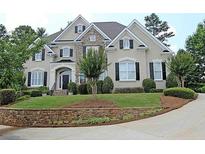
pixel 173 102
pixel 93 103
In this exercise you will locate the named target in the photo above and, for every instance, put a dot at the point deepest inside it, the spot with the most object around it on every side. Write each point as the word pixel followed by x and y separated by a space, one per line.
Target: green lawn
pixel 122 100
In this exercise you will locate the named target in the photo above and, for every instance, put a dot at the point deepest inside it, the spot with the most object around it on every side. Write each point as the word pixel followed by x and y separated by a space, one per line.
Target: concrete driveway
pixel 187 122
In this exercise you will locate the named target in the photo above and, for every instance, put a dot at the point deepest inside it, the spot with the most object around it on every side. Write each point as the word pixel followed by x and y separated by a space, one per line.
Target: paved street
pixel 187 122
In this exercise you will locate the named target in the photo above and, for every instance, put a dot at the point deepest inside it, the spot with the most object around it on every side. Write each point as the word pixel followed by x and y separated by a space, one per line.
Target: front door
pixel 65 81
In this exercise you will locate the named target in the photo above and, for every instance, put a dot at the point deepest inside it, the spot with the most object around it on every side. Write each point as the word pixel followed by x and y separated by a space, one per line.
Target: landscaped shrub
pixel 171 81
pixel 36 93
pixel 72 88
pixel 202 89
pixel 148 84
pixel 22 98
pixel 129 90
pixel 44 89
pixel 107 85
pixel 99 86
pixel 180 92
pixel 156 90
pixel 82 88
pixel 7 96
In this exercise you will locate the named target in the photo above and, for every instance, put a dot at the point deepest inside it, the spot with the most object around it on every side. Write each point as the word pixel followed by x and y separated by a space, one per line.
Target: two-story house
pixel 133 53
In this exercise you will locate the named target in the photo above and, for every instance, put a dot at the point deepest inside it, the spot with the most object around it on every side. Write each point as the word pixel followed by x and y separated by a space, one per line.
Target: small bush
pixel 148 84
pixel 7 96
pixel 99 86
pixel 27 92
pixel 22 98
pixel 156 90
pixel 72 87
pixel 107 85
pixel 171 81
pixel 82 88
pixel 43 89
pixel 202 89
pixel 36 93
pixel 180 92
pixel 129 90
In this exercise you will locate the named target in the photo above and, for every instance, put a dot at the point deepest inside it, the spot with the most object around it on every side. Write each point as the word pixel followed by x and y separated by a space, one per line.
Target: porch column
pixel 52 78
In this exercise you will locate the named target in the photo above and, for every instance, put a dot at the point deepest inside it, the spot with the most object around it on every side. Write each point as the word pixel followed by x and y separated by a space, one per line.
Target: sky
pixel 54 14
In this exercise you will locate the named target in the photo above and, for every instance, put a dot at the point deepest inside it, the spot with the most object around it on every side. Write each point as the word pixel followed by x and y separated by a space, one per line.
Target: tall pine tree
pixel 158 28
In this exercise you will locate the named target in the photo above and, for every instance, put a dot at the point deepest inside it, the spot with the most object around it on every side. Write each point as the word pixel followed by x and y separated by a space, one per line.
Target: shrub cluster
pixel 156 90
pixel 148 84
pixel 7 96
pixel 72 88
pixel 36 93
pixel 108 85
pixel 82 88
pixel 99 87
pixel 185 93
pixel 129 90
pixel 171 81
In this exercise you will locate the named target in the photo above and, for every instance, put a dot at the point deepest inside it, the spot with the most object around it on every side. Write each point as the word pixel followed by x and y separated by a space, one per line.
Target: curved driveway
pixel 187 122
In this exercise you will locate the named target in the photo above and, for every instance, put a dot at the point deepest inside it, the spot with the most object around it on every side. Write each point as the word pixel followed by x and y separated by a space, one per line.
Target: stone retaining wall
pixel 62 117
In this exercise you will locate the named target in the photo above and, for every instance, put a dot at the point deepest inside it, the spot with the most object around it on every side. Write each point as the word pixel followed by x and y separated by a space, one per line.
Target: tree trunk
pixel 182 81
pixel 94 87
pixel 179 81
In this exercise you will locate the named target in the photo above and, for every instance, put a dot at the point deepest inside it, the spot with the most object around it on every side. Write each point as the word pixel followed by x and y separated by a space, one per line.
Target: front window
pixel 127 70
pixel 157 70
pixel 37 78
pixel 80 28
pixel 92 38
pixel 38 56
pixel 126 44
pixel 94 48
pixel 82 78
pixel 65 52
pixel 103 75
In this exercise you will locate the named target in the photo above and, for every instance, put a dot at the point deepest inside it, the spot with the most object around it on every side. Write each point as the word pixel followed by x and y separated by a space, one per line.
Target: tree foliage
pixel 92 65
pixel 41 32
pixel 182 65
pixel 158 28
pixel 195 44
pixel 15 49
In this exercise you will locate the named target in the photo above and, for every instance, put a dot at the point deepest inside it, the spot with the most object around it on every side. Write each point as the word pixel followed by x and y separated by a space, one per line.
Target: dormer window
pixel 126 43
pixel 79 28
pixel 92 38
pixel 38 56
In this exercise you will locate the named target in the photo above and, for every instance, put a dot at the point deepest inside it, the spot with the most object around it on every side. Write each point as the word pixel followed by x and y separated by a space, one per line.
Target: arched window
pixel 37 78
pixel 127 70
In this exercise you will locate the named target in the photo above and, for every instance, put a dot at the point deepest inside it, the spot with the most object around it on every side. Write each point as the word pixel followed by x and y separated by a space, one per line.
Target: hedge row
pixel 185 93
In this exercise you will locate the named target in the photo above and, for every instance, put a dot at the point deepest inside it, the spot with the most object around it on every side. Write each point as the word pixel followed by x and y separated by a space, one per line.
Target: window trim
pixel 66 47
pixel 79 25
pixel 161 74
pixel 127 40
pixel 92 36
pixel 37 71
pixel 126 62
pixel 37 55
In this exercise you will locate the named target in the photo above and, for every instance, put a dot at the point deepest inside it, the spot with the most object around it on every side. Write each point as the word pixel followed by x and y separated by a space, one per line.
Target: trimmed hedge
pixel 72 87
pixel 148 84
pixel 7 96
pixel 108 85
pixel 185 93
pixel 129 90
pixel 82 88
pixel 36 93
pixel 156 90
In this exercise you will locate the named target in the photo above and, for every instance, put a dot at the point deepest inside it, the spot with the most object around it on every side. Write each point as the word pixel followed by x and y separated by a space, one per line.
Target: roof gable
pixel 70 25
pixel 87 30
pixel 146 32
pixel 129 32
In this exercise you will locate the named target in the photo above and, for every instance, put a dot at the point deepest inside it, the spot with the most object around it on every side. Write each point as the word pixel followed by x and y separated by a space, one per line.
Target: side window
pixel 38 56
pixel 157 67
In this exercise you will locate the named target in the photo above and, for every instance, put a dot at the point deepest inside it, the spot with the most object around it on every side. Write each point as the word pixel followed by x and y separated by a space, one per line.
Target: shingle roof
pixel 51 37
pixel 111 29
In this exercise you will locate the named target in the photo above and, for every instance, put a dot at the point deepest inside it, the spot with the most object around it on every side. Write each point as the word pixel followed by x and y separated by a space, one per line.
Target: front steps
pixel 60 92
